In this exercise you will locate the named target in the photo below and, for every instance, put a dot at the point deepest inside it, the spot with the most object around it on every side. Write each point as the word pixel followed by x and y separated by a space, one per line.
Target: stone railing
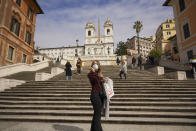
pixel 7 83
pixel 178 75
pixel 104 60
pixel 46 76
pixel 16 68
pixel 173 65
pixel 158 70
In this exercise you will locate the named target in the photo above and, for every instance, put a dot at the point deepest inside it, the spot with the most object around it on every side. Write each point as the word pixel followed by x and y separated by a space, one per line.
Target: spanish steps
pixel 143 98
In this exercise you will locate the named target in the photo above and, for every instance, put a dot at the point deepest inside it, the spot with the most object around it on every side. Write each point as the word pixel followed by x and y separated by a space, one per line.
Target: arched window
pixel 15 26
pixel 108 31
pixel 89 33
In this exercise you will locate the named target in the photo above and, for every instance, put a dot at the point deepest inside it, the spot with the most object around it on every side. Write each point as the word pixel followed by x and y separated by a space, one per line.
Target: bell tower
pixel 90 32
pixel 108 31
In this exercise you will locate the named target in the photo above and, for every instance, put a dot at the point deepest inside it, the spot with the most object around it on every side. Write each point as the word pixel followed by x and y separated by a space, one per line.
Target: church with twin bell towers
pixel 99 44
pixel 96 46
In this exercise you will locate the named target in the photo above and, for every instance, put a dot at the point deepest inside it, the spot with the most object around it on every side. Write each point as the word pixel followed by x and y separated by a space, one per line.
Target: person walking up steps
pixel 123 69
pixel 68 72
pixel 79 66
pixel 96 79
pixel 133 62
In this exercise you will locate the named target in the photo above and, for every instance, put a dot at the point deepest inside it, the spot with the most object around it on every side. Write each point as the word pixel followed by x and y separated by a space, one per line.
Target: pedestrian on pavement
pixel 97 95
pixel 68 70
pixel 79 65
pixel 193 66
pixel 123 69
pixel 133 61
pixel 140 62
pixel 118 61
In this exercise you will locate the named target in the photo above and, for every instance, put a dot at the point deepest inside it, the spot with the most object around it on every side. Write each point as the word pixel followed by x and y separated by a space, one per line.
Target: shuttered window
pixel 182 5
pixel 24 58
pixel 10 53
pixel 28 38
pixel 30 14
pixel 186 31
pixel 15 26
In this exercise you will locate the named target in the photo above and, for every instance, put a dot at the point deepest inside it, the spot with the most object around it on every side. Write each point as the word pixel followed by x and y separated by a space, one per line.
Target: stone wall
pixel 173 65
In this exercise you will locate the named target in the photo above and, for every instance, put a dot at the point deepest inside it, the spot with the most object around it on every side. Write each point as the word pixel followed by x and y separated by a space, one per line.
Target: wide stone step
pixel 115 86
pixel 119 80
pixel 112 120
pixel 117 92
pixel 88 95
pixel 112 108
pixel 87 103
pixel 90 113
pixel 87 89
pixel 133 99
pixel 126 92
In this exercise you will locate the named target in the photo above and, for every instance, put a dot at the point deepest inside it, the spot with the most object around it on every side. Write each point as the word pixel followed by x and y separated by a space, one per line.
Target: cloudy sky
pixel 64 21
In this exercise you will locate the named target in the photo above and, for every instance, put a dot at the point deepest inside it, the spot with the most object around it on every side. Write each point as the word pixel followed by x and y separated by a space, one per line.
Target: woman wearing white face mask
pixel 96 78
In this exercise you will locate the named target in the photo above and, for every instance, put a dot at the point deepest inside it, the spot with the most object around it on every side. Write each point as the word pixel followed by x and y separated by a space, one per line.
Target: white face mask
pixel 95 66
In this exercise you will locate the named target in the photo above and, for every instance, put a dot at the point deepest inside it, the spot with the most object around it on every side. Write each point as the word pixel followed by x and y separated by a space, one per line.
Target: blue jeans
pixel 121 72
pixel 68 77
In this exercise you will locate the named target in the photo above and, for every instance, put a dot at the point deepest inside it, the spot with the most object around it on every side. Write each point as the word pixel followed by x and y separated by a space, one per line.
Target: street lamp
pixel 77 42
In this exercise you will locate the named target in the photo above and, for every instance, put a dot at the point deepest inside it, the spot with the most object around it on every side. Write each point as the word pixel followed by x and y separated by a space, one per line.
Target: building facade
pixel 163 33
pixel 185 20
pixel 17 27
pixel 95 45
pixel 146 45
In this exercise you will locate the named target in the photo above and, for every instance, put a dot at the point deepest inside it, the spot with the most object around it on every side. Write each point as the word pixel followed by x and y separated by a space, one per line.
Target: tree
pixel 155 53
pixel 121 49
pixel 138 26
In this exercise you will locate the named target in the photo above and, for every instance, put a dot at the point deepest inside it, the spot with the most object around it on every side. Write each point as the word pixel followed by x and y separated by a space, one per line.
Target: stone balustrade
pixel 16 68
pixel 46 76
pixel 173 65
pixel 157 70
pixel 179 75
pixel 7 83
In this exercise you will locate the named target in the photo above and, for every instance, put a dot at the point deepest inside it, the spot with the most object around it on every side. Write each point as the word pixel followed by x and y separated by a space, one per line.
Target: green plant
pixel 121 49
pixel 155 53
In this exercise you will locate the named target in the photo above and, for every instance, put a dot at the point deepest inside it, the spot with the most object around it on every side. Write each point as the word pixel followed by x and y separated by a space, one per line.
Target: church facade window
pixel 108 50
pixel 89 51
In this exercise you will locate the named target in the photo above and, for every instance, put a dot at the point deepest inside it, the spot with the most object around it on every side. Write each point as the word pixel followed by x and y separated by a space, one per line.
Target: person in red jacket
pixel 96 79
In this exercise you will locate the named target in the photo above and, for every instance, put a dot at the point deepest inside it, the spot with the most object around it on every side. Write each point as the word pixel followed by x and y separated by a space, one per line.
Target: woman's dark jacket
pixel 96 81
pixel 68 69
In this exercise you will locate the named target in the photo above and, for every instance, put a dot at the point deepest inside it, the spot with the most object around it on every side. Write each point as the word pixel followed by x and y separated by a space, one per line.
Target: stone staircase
pixel 143 99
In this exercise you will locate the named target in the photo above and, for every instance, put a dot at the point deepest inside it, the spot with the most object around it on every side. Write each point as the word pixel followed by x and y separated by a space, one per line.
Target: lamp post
pixel 77 42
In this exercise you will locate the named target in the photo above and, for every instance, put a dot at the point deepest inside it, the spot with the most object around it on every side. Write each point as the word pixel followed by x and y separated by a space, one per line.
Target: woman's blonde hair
pixel 123 62
pixel 99 68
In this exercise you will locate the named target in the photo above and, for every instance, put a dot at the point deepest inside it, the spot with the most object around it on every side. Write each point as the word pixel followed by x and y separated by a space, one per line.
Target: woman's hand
pixel 105 79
